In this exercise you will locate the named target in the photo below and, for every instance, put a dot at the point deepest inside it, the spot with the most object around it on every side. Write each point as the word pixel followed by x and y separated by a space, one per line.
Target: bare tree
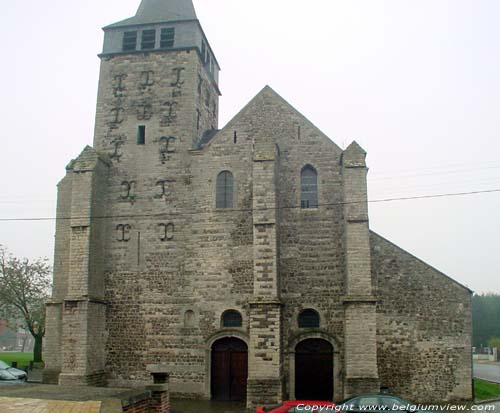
pixel 24 287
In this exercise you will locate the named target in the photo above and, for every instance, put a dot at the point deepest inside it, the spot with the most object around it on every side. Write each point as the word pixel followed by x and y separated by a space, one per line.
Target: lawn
pixel 485 390
pixel 23 359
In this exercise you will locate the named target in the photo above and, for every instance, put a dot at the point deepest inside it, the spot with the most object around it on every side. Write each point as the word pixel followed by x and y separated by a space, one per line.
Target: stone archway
pixel 229 369
pixel 314 370
pixel 337 386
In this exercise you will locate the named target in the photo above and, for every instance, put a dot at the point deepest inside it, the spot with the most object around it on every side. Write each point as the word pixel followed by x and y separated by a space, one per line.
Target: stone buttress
pixel 75 345
pixel 361 371
pixel 265 378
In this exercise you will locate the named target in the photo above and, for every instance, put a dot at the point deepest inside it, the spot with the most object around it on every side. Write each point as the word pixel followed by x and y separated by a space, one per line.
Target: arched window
pixel 309 187
pixel 232 318
pixel 189 318
pixel 224 196
pixel 309 319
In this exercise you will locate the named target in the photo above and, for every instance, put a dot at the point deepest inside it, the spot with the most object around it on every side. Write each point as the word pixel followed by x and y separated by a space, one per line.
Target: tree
pixel 24 287
pixel 494 342
pixel 485 318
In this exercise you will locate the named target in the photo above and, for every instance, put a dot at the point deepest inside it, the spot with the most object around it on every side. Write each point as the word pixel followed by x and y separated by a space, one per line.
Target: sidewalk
pixel 43 398
pixel 495 363
pixel 13 405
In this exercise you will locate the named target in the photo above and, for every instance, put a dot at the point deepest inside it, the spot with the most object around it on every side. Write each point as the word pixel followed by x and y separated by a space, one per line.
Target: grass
pixel 485 390
pixel 23 359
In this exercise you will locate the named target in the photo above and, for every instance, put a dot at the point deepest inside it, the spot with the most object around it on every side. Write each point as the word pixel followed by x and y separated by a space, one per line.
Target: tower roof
pixel 159 11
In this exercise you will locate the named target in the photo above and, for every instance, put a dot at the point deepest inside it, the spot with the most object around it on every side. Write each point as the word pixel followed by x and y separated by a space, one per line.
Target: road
pixel 497 407
pixel 487 371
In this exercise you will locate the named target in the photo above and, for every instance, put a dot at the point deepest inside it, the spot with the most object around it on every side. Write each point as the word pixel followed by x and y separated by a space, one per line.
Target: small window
pixel 232 318
pixel 309 319
pixel 309 188
pixel 167 38
pixel 129 41
pixel 224 196
pixel 141 135
pixel 148 39
pixel 189 318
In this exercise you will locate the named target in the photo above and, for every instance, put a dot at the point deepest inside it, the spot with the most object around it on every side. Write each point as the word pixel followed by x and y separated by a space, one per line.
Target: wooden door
pixel 229 370
pixel 314 370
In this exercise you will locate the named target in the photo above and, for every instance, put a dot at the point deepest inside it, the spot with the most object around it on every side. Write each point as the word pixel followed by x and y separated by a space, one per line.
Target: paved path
pixel 41 398
pixel 13 405
pixel 487 371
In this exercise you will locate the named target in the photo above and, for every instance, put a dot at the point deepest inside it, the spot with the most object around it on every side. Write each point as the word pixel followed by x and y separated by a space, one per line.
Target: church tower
pixel 158 100
pixel 158 83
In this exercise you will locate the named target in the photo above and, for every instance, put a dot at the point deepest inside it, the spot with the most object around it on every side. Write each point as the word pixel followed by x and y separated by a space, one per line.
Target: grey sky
pixel 416 83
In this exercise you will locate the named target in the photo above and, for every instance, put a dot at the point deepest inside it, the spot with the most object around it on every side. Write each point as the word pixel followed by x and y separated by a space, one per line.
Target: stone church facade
pixel 240 259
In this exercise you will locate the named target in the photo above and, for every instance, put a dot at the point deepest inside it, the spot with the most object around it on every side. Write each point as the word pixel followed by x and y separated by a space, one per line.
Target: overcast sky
pixel 415 82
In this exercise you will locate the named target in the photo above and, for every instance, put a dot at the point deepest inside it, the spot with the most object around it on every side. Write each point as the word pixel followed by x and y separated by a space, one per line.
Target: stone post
pixel 361 371
pixel 265 381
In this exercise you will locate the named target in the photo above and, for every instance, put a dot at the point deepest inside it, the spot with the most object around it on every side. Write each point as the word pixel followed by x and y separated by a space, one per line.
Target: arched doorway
pixel 314 370
pixel 229 369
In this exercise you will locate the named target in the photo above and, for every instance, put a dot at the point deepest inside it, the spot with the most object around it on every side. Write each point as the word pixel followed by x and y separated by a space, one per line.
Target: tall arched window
pixel 224 196
pixel 232 318
pixel 309 187
pixel 309 319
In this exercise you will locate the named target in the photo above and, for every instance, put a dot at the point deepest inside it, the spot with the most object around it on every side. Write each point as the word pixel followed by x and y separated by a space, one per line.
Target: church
pixel 238 258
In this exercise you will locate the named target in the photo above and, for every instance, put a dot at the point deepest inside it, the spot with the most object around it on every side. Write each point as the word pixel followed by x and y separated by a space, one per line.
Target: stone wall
pixel 423 327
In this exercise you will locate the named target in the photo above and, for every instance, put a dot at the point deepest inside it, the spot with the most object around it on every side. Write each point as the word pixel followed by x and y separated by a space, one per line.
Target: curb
pixel 489 381
pixel 488 401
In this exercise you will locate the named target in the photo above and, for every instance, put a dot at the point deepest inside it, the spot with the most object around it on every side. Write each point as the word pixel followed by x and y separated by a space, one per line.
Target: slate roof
pixel 159 11
pixel 207 136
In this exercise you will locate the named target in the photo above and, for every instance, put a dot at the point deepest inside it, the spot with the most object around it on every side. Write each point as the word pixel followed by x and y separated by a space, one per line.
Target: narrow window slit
pixel 141 135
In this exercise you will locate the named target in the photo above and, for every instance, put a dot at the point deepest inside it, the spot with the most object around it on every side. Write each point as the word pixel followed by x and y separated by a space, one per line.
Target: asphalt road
pixel 490 371
pixel 497 407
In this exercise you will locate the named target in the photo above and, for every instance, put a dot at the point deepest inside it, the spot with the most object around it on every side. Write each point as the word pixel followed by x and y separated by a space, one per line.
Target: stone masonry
pixel 147 263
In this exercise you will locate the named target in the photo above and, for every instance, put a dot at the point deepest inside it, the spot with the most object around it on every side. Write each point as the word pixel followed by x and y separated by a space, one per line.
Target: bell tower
pixel 158 82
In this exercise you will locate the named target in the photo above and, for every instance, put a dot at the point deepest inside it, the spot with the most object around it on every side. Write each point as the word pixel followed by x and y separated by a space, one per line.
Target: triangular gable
pixel 268 96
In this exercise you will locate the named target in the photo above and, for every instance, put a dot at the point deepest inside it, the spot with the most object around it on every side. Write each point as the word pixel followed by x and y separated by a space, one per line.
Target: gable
pixel 270 118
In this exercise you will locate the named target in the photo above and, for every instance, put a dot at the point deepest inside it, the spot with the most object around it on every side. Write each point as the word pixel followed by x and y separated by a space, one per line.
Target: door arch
pixel 229 369
pixel 314 370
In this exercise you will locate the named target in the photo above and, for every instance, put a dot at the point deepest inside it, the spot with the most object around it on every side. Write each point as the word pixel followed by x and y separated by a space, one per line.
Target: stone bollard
pixel 160 395
pixel 14 364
